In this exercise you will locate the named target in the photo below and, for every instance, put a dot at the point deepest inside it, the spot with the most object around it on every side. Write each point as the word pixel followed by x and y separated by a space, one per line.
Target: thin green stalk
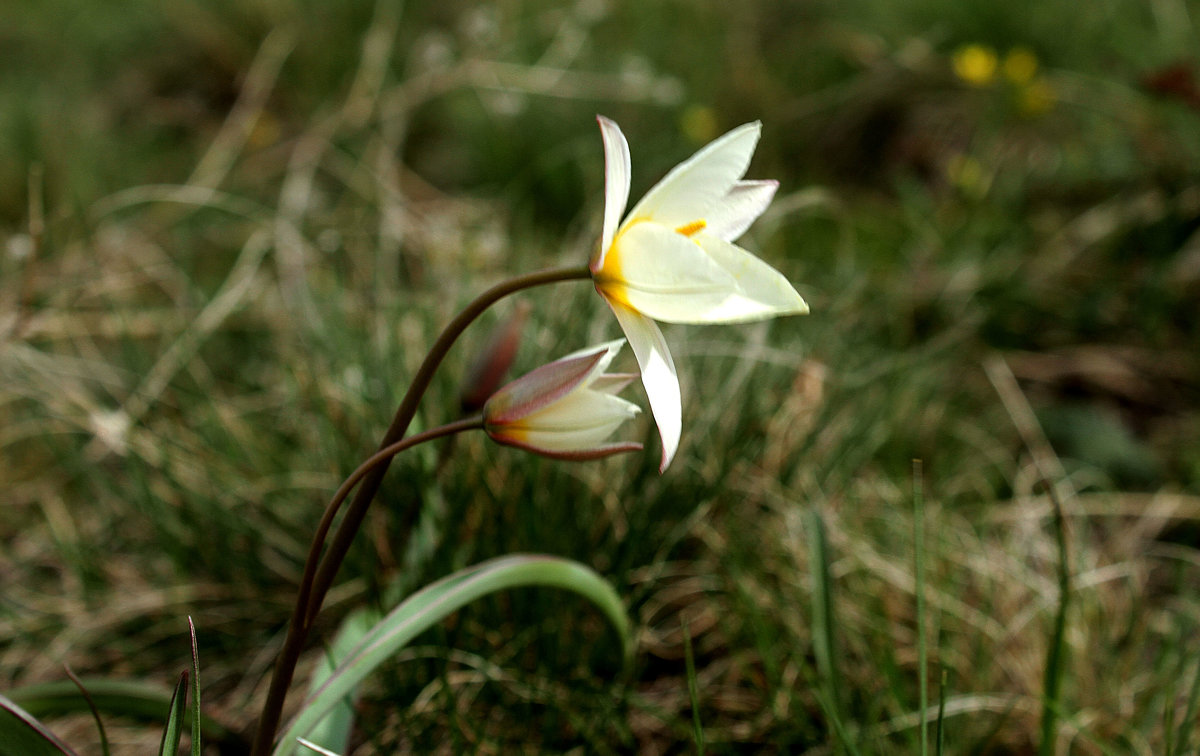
pixel 104 749
pixel 940 728
pixel 314 590
pixel 1056 654
pixel 693 689
pixel 919 569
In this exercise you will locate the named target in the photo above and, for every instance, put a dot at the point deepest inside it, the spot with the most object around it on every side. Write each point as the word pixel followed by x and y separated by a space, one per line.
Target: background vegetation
pixel 229 230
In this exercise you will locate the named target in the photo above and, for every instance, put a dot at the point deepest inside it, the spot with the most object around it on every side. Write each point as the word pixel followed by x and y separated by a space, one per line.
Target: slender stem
pixel 315 588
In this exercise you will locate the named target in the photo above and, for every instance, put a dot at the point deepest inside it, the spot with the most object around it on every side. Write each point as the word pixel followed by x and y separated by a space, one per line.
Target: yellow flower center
pixel 609 279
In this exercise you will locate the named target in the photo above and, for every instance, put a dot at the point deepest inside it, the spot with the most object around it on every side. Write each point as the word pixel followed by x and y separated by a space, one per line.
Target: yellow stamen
pixel 695 226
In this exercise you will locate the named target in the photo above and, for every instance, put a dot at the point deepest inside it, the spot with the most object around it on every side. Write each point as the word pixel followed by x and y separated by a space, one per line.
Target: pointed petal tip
pixel 666 461
pixel 755 126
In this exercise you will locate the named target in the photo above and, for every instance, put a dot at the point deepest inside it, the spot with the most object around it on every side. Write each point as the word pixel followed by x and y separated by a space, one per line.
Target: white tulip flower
pixel 673 258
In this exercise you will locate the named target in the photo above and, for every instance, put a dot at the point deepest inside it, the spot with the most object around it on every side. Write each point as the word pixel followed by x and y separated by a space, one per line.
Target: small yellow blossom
pixel 1020 65
pixel 975 64
pixel 698 124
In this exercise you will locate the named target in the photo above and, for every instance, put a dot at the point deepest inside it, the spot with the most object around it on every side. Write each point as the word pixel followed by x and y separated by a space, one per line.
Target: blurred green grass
pixel 259 214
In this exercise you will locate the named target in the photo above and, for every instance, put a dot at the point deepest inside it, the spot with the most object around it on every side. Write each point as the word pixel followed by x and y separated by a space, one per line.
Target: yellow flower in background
pixel 566 409
pixel 1020 65
pixel 975 64
pixel 673 258
pixel 698 124
pixel 1036 97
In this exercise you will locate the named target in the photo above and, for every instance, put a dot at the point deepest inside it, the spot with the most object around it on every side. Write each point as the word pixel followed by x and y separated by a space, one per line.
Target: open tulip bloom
pixel 566 409
pixel 673 258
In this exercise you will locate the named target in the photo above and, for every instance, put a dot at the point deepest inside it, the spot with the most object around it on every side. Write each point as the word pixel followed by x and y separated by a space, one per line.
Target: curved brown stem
pixel 318 579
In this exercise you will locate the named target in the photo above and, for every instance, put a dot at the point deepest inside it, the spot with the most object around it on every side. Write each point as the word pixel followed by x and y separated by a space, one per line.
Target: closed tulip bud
pixel 567 409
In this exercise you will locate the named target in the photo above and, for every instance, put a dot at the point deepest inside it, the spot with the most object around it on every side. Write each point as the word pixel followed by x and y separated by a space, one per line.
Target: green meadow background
pixel 229 230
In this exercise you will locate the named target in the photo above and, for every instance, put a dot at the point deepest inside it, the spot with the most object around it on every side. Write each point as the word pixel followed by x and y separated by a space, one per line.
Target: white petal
pixel 616 182
pixel 610 349
pixel 745 202
pixel 544 386
pixel 580 410
pixel 759 292
pixel 613 383
pixel 658 376
pixel 694 188
pixel 653 258
pixel 580 422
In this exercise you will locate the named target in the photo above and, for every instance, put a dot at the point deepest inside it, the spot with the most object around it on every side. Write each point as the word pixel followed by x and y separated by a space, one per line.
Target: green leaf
pixel 433 603
pixel 21 733
pixel 174 729
pixel 332 733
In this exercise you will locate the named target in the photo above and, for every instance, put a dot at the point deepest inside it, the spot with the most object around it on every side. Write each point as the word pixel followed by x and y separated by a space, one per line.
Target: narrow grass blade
pixel 919 575
pixel 95 712
pixel 836 720
pixel 1056 654
pixel 823 630
pixel 21 733
pixel 1169 726
pixel 940 728
pixel 173 732
pixel 693 689
pixel 431 604
pixel 195 723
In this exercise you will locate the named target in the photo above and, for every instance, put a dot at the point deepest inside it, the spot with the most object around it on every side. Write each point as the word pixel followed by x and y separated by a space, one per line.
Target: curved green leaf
pixel 21 733
pixel 332 733
pixel 433 603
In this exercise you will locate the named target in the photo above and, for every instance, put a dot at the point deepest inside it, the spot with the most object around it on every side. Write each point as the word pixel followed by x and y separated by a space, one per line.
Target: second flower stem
pixel 380 457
